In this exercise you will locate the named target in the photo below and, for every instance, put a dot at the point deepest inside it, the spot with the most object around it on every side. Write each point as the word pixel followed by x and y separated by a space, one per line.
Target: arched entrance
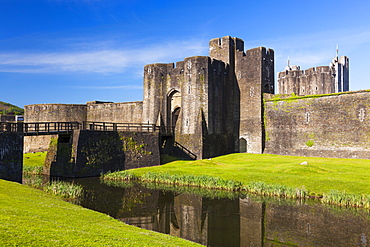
pixel 173 107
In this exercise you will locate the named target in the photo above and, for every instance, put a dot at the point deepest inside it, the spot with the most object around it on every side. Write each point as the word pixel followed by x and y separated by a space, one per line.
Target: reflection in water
pixel 233 221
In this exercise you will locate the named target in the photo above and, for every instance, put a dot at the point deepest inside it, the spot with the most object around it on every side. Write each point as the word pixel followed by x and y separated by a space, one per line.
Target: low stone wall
pixel 327 126
pixel 11 156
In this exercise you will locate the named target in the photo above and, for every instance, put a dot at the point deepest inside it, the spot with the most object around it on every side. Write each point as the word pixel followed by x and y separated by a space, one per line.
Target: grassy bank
pixel 338 181
pixel 33 162
pixel 30 217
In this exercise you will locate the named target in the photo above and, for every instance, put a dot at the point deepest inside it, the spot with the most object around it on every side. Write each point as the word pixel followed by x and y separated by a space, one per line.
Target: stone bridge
pixel 84 149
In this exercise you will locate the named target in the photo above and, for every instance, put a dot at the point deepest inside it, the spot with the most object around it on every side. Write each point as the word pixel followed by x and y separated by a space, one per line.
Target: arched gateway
pixel 173 107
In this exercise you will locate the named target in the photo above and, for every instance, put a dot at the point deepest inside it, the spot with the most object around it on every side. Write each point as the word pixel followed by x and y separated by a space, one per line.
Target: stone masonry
pixel 224 103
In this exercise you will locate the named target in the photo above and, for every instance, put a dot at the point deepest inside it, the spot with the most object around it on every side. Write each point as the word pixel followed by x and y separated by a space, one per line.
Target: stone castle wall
pixel 38 143
pixel 327 126
pixel 207 96
pixel 55 113
pixel 88 153
pixel 215 105
pixel 11 156
pixel 195 90
pixel 255 77
pixel 128 112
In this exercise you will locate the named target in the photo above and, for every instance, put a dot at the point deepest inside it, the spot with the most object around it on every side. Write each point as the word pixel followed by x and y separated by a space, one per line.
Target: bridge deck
pixel 50 128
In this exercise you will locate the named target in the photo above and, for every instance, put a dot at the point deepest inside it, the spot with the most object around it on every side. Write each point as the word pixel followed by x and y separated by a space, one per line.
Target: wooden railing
pixel 41 128
pixel 9 127
pixel 45 128
pixel 131 127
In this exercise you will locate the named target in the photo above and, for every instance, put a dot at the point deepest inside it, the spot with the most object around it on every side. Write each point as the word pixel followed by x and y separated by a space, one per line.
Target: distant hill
pixel 6 108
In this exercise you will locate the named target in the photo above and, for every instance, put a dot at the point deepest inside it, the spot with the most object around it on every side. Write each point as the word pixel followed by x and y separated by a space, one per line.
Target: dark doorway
pixel 175 116
pixel 242 145
pixel 173 108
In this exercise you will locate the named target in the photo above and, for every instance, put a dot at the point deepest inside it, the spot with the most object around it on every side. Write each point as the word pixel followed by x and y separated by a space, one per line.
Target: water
pixel 225 219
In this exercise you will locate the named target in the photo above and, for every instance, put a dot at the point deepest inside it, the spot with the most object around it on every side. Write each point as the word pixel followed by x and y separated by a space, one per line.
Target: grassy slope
pixel 30 217
pixel 9 107
pixel 320 175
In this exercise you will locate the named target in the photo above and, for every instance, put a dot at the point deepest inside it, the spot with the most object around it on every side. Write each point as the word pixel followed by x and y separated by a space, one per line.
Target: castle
pixel 225 102
pixel 316 80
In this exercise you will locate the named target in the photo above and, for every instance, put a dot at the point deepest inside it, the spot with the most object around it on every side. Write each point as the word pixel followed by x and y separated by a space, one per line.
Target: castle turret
pixel 340 67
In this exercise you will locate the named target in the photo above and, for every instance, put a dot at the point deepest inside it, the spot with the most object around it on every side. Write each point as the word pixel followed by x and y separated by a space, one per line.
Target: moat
pixel 217 218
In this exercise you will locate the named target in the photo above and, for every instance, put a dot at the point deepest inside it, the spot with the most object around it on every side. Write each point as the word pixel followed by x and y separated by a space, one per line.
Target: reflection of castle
pixel 205 221
pixel 244 222
pixel 319 80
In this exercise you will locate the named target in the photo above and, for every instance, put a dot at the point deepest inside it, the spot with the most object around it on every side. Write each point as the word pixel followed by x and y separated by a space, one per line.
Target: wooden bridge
pixel 51 128
pixel 75 147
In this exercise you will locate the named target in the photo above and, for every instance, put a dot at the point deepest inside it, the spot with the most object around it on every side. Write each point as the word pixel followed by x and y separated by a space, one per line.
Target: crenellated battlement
pixel 298 72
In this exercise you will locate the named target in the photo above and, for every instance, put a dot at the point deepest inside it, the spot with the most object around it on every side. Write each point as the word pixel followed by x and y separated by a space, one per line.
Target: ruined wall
pixel 128 112
pixel 11 156
pixel 325 126
pixel 55 113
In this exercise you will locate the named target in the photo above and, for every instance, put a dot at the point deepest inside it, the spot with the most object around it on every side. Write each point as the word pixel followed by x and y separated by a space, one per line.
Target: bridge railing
pixel 186 151
pixel 39 127
pixel 59 127
pixel 8 127
pixel 131 127
pixel 50 127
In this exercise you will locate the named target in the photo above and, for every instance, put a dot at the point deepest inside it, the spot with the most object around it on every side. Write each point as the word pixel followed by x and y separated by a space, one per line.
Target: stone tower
pixel 214 103
pixel 340 68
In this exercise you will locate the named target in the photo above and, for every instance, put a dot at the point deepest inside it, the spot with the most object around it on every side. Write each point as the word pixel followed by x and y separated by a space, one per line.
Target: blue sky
pixel 74 51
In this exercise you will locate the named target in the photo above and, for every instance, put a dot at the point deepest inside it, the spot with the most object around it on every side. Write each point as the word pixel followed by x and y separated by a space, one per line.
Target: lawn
pixel 34 159
pixel 33 162
pixel 30 217
pixel 319 175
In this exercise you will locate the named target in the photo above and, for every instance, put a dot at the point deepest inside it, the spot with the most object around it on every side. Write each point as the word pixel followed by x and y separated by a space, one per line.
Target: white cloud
pixel 98 60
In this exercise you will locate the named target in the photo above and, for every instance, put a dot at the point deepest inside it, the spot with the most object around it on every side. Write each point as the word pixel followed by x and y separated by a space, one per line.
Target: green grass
pixel 293 97
pixel 319 177
pixel 30 217
pixel 33 162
